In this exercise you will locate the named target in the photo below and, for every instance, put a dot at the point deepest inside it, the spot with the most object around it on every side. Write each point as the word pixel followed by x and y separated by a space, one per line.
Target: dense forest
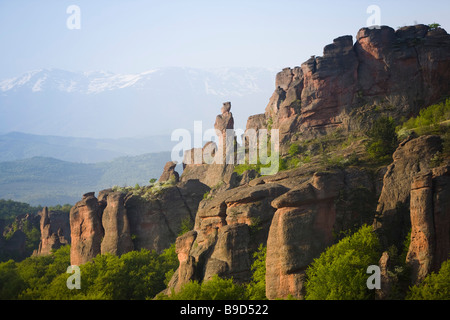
pixel 339 273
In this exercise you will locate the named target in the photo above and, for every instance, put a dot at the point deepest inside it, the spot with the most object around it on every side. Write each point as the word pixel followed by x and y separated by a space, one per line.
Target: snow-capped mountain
pixel 223 81
pixel 104 104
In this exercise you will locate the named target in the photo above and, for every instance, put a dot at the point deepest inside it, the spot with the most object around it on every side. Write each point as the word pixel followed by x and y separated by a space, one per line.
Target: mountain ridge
pixel 105 105
pixel 20 145
pixel 49 181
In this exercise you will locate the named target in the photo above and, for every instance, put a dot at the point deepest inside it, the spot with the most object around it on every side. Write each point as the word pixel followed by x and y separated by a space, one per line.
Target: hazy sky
pixel 136 35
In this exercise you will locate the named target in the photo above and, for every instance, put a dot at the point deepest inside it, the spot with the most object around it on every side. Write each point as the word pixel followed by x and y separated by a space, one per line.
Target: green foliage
pixel 134 275
pixel 64 208
pixel 206 195
pixel 269 123
pixel 436 286
pixel 214 289
pixel 294 150
pixel 146 192
pixel 433 26
pixel 399 271
pixel 256 289
pixel 356 206
pixel 44 181
pixel 32 239
pixel 10 280
pixel 241 168
pixel 431 120
pixel 10 209
pixel 186 225
pixel 382 139
pixel 226 289
pixel 340 271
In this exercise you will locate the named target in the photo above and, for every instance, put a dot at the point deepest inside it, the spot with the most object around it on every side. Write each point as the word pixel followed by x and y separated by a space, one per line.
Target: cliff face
pixel 118 222
pixel 407 68
pixel 430 220
pixel 55 231
pixel 411 158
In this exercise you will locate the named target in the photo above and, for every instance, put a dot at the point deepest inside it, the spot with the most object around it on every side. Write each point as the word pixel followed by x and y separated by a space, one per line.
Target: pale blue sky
pixel 137 35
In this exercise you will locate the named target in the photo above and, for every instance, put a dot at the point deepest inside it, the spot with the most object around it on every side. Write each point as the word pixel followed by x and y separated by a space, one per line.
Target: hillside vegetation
pixel 48 181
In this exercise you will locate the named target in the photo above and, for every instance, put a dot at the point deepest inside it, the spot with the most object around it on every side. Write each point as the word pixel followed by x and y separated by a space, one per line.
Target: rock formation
pixel 306 219
pixel 411 157
pixel 118 222
pixel 211 164
pixel 86 229
pixel 117 236
pixel 13 239
pixel 298 213
pixel 430 222
pixel 384 67
pixel 55 231
pixel 169 173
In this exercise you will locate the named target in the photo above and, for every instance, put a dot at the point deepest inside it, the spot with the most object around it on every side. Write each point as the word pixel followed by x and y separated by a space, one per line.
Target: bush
pixel 430 120
pixel 134 275
pixel 382 139
pixel 214 289
pixel 436 286
pixel 294 150
pixel 340 271
pixel 256 289
pixel 187 224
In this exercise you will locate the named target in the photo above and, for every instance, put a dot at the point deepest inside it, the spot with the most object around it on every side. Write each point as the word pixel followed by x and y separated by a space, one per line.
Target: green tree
pixel 134 275
pixel 433 26
pixel 11 282
pixel 187 224
pixel 256 289
pixel 340 272
pixel 436 286
pixel 382 139
pixel 214 289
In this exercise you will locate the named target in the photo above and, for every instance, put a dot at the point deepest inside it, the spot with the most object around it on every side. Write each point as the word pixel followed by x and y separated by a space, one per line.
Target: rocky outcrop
pixel 404 68
pixel 155 224
pixel 430 222
pixel 224 121
pixel 228 228
pixel 14 243
pixel 118 222
pixel 306 220
pixel 210 164
pixel 386 280
pixel 55 231
pixel 296 217
pixel 169 173
pixel 117 236
pixel 86 229
pixel 411 157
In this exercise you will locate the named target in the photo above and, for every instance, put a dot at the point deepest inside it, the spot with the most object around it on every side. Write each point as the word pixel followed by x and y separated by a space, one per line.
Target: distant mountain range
pixel 47 181
pixel 107 105
pixel 50 170
pixel 18 145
